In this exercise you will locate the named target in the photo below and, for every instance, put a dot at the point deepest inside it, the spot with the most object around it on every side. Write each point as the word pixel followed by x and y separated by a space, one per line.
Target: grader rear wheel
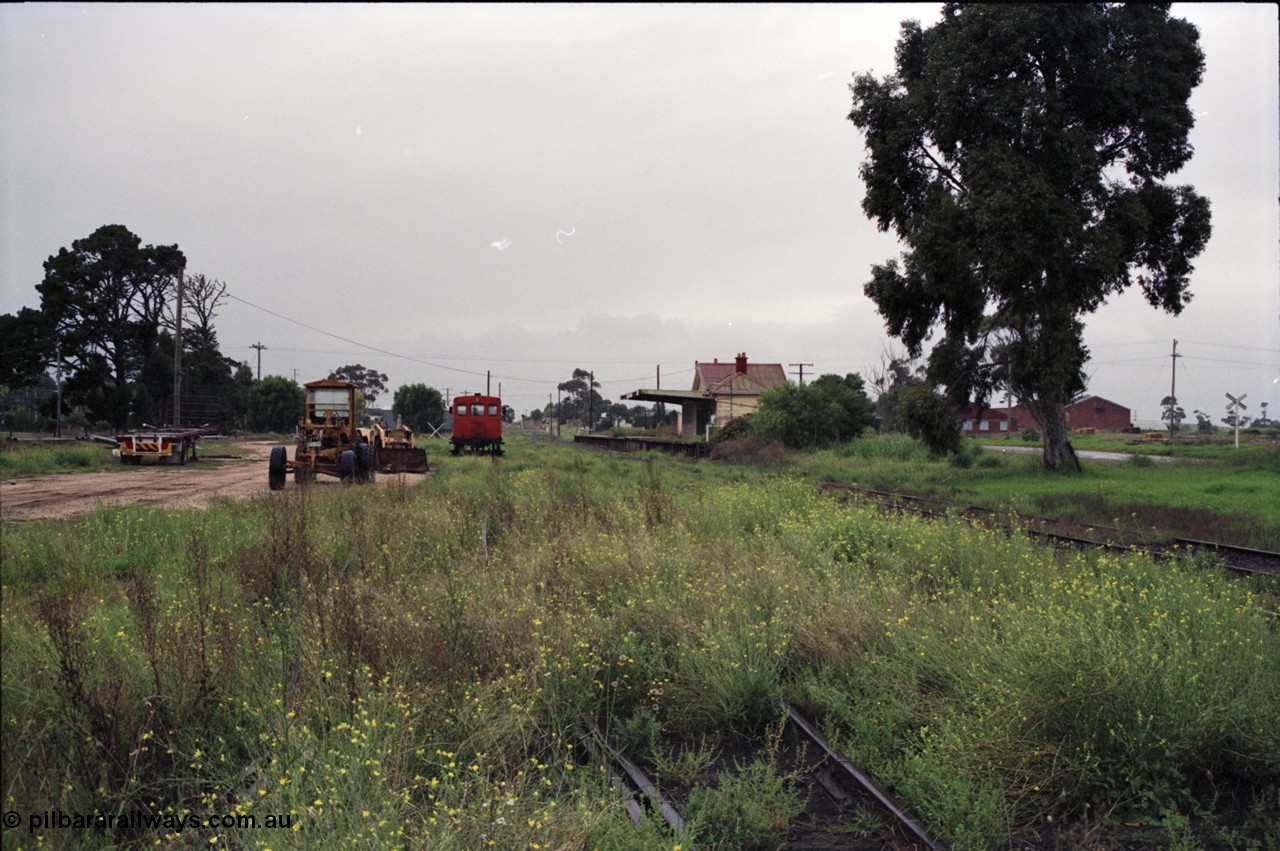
pixel 367 463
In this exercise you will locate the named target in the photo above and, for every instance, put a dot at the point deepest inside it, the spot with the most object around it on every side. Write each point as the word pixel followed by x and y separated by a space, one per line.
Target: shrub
pixel 931 419
pixel 735 429
pixel 750 450
pixel 275 403
pixel 830 410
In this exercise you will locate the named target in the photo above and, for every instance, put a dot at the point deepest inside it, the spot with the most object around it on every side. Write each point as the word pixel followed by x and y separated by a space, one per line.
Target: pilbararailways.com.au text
pixel 142 820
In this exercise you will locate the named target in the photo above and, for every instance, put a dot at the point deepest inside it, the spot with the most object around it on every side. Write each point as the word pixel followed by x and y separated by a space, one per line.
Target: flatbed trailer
pixel 166 444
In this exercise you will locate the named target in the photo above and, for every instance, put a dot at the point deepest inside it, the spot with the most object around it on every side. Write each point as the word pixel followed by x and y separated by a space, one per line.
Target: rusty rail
pixel 596 744
pixel 857 777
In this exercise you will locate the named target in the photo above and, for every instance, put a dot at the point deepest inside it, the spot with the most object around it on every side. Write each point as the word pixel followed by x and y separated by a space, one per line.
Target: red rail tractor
pixel 477 424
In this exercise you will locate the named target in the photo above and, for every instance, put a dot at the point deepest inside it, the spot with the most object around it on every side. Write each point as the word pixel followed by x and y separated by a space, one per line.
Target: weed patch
pixel 405 666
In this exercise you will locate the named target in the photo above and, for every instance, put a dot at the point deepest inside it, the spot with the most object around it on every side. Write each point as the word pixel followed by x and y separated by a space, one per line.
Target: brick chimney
pixel 740 362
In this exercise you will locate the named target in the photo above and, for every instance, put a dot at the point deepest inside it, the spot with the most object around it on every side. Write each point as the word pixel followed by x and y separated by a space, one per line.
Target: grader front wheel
pixel 276 468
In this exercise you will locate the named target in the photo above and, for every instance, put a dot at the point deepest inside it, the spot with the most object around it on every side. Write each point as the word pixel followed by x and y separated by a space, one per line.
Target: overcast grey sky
pixel 529 189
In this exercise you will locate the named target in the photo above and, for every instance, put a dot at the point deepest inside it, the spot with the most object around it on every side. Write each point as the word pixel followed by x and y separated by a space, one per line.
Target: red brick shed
pixel 1090 412
pixel 1099 413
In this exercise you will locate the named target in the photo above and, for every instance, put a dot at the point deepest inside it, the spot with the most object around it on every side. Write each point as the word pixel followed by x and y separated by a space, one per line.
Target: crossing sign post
pixel 1234 407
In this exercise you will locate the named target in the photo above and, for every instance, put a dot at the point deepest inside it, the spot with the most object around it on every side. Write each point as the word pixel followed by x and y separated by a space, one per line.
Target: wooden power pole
pixel 259 347
pixel 177 353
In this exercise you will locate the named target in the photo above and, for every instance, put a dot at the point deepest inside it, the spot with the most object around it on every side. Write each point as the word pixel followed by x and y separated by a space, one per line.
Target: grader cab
pixel 328 441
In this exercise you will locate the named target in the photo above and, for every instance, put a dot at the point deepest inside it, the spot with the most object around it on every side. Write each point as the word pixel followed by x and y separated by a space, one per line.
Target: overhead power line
pixel 431 363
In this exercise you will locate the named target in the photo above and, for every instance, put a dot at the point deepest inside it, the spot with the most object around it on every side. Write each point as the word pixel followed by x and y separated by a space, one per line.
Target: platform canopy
pixel 670 397
pixel 696 407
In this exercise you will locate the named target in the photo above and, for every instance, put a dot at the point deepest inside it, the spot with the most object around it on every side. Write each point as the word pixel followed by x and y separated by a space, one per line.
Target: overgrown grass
pixel 24 460
pixel 1234 498
pixel 406 666
pixel 1220 445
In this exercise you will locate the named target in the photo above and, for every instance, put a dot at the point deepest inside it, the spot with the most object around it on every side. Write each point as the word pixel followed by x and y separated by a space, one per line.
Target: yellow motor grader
pixel 328 441
pixel 395 449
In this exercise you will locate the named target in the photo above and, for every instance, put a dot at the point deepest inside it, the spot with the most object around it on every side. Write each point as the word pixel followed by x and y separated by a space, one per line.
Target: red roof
pixel 717 377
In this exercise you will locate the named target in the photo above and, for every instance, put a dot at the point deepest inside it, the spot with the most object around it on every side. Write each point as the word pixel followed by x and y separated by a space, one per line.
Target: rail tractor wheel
pixel 368 462
pixel 276 468
pixel 347 465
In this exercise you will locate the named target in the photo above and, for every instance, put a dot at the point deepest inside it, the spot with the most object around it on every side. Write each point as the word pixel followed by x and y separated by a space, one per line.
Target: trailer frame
pixel 166 444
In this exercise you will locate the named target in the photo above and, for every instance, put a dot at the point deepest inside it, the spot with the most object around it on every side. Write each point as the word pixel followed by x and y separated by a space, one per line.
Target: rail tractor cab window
pixel 477 410
pixel 323 402
pixel 493 410
pixel 461 410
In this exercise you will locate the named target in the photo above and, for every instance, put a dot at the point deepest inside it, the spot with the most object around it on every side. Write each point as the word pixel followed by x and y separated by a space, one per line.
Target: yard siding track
pixel 848 788
pixel 1243 560
pixel 843 773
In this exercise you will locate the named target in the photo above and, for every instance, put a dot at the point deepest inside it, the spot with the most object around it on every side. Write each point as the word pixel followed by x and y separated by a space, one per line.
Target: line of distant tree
pixel 579 401
pixel 105 325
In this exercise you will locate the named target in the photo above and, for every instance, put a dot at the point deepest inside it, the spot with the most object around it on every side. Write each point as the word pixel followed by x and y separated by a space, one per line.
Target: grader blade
pixel 402 460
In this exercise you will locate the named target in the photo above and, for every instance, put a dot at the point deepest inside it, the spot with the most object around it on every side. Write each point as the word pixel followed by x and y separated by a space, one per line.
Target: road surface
pixel 70 495
pixel 1082 454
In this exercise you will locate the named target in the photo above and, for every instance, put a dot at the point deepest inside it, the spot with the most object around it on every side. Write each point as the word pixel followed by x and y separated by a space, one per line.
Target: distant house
pixel 723 391
pixel 1092 412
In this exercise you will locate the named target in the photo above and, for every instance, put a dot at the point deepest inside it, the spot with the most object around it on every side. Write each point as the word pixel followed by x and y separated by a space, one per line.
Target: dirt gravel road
pixel 70 495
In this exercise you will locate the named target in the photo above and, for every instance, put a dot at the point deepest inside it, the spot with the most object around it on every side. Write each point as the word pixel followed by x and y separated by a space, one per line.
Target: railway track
pixel 1238 559
pixel 846 785
pixel 1241 560
pixel 837 793
pixel 844 809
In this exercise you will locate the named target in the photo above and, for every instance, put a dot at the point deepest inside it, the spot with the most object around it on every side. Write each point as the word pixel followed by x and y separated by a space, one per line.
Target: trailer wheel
pixel 347 465
pixel 368 462
pixel 276 468
pixel 182 453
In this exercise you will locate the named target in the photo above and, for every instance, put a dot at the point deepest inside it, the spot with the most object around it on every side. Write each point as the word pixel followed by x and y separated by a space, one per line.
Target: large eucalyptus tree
pixel 103 300
pixel 1020 153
